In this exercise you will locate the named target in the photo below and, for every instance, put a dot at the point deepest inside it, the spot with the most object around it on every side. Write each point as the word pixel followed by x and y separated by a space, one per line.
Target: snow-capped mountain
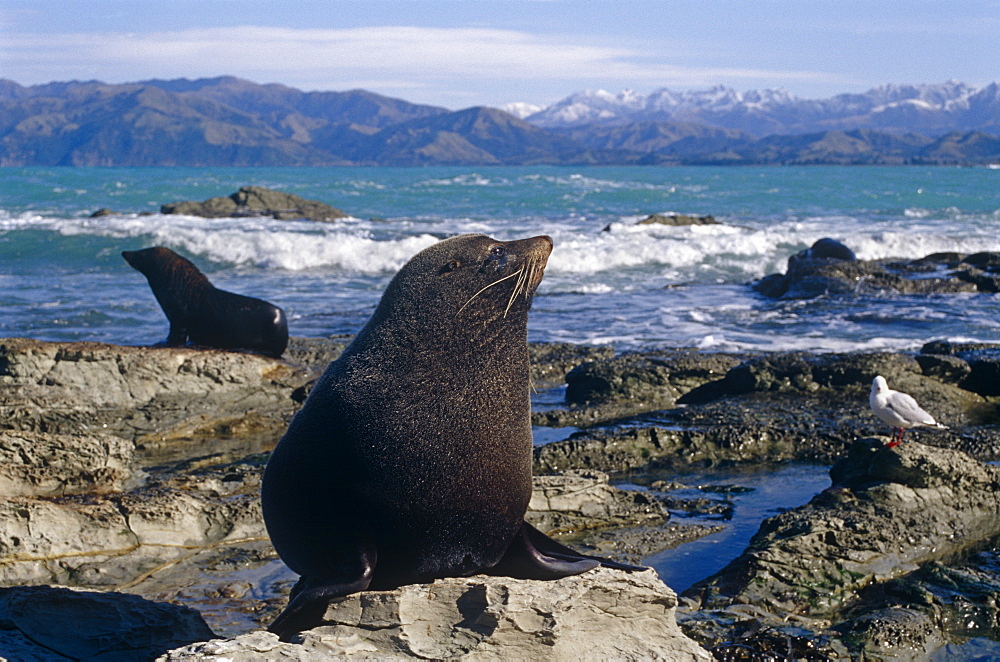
pixel 929 109
pixel 520 109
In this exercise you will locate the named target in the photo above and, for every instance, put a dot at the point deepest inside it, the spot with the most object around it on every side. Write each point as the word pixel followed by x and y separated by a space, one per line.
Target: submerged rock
pixel 601 614
pixel 674 219
pixel 257 201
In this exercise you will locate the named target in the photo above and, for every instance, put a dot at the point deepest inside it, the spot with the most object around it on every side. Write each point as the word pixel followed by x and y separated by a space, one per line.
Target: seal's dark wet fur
pixel 411 458
pixel 203 314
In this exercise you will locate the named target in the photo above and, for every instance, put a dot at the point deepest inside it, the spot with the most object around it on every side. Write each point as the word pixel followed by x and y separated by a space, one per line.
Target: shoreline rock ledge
pixel 601 614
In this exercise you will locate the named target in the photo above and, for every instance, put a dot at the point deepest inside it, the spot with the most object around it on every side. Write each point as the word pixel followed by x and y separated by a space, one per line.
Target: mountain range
pixel 929 109
pixel 227 121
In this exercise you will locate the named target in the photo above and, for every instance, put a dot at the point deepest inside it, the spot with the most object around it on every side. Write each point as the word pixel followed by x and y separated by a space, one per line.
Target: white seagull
pixel 899 410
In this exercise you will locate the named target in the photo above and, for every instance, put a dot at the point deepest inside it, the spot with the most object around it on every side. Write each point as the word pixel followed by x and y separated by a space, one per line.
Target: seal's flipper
pixel 549 547
pixel 310 596
pixel 523 560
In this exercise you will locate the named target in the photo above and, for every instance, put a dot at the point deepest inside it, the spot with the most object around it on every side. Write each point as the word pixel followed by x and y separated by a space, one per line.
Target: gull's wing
pixel 908 409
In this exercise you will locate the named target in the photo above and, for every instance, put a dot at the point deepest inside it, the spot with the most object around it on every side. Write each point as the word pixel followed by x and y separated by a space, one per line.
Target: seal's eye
pixel 498 251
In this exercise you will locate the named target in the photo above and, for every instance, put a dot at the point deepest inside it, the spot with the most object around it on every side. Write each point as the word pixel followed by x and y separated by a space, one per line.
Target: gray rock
pixel 602 614
pixel 157 397
pixel 579 500
pixel 50 623
pixel 257 201
pixel 40 464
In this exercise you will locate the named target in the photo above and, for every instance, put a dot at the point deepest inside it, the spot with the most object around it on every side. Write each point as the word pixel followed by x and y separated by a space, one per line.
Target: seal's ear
pixel 451 266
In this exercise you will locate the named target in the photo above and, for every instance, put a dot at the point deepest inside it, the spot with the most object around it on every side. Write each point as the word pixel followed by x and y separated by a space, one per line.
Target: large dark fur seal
pixel 411 458
pixel 205 315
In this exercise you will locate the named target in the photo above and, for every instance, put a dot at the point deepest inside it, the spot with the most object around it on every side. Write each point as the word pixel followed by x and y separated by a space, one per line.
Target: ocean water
pixel 634 287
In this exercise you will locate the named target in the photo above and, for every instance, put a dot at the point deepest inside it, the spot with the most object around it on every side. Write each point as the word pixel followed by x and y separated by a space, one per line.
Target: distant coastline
pixel 227 121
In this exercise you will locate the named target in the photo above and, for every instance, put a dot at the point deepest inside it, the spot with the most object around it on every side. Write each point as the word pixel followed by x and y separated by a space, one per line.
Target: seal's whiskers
pixel 499 280
pixel 521 283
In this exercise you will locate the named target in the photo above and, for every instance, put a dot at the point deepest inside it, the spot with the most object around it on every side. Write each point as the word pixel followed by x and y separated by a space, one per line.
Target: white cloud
pixel 455 62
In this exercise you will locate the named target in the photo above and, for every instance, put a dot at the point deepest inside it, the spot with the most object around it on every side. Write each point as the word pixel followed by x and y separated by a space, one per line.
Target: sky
pixel 462 53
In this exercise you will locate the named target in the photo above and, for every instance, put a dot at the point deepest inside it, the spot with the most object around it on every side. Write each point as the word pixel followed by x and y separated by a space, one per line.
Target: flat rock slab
pixel 602 614
pixel 579 500
pixel 142 393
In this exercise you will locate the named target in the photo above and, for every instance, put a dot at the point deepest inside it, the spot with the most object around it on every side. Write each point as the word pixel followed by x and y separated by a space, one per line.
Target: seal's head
pixel 161 266
pixel 465 282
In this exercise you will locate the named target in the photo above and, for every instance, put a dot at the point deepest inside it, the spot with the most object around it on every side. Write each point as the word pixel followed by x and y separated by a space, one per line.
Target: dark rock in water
pixel 607 387
pixel 673 219
pixel 829 248
pixel 47 623
pixel 104 211
pixel 257 201
pixel 829 268
pixel 982 361
pixel 551 361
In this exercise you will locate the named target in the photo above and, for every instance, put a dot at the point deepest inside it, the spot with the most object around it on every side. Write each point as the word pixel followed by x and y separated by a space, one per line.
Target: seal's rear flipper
pixel 550 547
pixel 309 598
pixel 533 555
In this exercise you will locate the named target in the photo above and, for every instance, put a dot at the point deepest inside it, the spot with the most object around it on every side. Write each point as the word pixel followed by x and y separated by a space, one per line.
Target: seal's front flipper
pixel 549 547
pixel 310 596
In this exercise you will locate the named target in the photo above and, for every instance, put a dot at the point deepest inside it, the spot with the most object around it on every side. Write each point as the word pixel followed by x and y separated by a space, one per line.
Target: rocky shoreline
pixel 130 475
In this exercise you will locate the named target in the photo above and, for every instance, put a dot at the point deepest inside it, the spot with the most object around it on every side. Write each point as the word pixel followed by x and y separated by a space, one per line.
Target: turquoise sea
pixel 62 276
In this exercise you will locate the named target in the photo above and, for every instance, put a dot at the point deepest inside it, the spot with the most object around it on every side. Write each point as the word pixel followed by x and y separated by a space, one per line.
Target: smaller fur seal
pixel 201 313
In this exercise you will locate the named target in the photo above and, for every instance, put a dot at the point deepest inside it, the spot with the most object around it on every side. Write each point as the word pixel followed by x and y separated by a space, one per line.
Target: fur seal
pixel 205 315
pixel 411 458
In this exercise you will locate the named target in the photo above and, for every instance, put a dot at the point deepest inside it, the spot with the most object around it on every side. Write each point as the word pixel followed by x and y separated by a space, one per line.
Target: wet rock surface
pixel 257 201
pixel 136 470
pixel 855 555
pixel 769 407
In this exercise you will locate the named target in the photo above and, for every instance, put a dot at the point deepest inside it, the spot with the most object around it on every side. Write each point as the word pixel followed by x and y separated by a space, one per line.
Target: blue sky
pixel 460 53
